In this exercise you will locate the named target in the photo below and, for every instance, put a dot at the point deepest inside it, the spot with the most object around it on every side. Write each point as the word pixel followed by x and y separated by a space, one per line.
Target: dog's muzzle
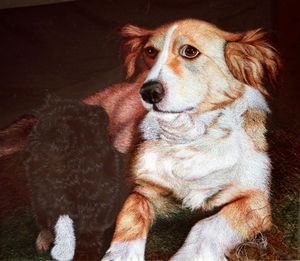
pixel 152 92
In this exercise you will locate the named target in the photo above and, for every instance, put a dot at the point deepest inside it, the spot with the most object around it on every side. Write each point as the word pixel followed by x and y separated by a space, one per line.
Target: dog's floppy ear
pixel 251 58
pixel 134 40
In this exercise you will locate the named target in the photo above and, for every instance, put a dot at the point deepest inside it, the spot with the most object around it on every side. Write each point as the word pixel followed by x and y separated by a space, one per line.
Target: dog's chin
pixel 161 109
pixel 156 108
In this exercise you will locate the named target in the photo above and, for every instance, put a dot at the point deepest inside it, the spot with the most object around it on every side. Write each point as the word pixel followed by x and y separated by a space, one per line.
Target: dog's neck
pixel 155 122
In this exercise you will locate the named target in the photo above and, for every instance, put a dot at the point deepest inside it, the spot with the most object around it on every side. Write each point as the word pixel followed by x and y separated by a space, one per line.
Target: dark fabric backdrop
pixel 72 49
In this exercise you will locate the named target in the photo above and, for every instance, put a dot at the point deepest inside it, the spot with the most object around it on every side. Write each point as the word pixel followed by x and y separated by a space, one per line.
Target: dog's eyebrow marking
pixel 163 56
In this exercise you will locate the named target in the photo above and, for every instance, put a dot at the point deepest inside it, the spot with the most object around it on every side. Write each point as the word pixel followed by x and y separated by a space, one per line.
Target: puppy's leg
pixel 64 243
pixel 211 238
pixel 132 227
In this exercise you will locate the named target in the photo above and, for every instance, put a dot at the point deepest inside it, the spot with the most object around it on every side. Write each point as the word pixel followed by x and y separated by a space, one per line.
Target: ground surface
pixel 19 230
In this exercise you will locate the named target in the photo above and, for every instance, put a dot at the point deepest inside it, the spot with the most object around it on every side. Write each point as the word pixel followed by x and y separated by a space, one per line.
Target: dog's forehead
pixel 198 33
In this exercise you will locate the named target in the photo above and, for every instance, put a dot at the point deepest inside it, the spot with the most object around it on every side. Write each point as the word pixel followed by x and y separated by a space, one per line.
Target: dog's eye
pixel 189 51
pixel 151 52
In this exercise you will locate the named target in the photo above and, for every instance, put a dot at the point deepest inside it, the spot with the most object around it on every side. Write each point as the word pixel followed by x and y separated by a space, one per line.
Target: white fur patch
pixel 133 250
pixel 255 99
pixel 152 130
pixel 163 56
pixel 205 156
pixel 64 243
pixel 150 127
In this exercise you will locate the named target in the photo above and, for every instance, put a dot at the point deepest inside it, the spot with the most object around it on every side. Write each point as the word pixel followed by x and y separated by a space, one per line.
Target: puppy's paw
pixel 43 241
pixel 126 251
pixel 64 244
pixel 62 253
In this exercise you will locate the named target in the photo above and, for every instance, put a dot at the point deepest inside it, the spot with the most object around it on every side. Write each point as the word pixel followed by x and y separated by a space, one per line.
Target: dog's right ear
pixel 134 40
pixel 251 59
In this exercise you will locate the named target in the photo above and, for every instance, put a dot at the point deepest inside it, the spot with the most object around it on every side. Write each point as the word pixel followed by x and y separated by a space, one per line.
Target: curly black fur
pixel 73 169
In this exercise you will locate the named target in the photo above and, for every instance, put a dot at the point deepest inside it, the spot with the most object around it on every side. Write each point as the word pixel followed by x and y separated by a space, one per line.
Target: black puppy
pixel 75 179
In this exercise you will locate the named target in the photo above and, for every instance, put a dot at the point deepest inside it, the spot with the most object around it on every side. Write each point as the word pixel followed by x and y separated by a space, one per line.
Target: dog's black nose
pixel 152 92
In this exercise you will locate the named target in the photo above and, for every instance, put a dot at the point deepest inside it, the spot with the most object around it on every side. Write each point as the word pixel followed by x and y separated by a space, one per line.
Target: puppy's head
pixel 195 67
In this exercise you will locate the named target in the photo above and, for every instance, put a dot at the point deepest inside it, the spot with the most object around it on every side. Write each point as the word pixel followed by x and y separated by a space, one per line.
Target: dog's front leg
pixel 132 227
pixel 212 238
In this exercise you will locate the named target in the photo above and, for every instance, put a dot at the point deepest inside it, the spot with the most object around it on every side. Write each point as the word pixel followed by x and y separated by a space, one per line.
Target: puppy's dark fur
pixel 73 169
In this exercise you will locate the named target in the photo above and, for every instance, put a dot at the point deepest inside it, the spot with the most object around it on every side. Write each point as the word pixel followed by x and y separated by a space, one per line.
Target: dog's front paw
pixel 126 251
pixel 196 258
pixel 200 247
pixel 195 253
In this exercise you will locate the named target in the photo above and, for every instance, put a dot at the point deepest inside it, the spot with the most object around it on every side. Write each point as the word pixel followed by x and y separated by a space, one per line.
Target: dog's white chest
pixel 199 166
pixel 202 164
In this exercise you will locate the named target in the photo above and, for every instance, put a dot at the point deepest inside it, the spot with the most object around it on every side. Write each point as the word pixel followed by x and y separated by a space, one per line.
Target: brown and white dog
pixel 204 136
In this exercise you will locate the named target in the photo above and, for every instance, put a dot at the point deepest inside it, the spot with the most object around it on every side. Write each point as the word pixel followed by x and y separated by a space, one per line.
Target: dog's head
pixel 195 67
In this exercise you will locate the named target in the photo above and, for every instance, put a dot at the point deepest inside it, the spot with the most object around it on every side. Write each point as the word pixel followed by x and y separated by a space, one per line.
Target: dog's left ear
pixel 134 40
pixel 251 58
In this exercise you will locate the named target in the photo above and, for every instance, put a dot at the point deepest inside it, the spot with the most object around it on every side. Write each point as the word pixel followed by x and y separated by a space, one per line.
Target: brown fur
pixel 134 40
pixel 135 218
pixel 249 213
pixel 43 241
pixel 254 125
pixel 14 138
pixel 251 58
pixel 123 104
pixel 175 66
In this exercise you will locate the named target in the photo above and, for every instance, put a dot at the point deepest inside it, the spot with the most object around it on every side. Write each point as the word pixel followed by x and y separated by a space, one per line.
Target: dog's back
pixel 73 170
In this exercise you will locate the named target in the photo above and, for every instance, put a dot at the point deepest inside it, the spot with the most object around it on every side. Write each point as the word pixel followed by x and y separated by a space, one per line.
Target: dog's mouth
pixel 188 109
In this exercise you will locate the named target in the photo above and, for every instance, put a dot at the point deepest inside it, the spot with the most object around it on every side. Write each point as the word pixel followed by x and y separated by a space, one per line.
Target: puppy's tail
pixel 64 243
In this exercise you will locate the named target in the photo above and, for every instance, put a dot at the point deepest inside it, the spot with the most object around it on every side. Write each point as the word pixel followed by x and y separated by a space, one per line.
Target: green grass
pixel 17 236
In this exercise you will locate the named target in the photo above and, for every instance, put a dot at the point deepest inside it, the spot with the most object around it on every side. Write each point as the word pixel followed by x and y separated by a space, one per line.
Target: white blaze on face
pixel 162 57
